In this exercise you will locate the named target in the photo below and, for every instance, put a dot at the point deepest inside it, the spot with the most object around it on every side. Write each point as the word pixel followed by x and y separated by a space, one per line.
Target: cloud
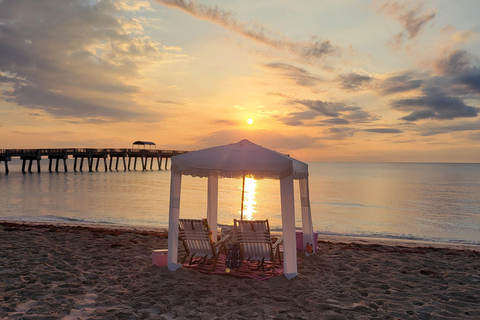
pixel 60 105
pixel 400 83
pixel 135 5
pixel 457 66
pixel 466 126
pixel 339 113
pixel 225 122
pixel 334 121
pixel 171 102
pixel 413 19
pixel 301 76
pixel 74 58
pixel 340 133
pixel 471 79
pixel 457 62
pixel 434 104
pixel 326 108
pixel 265 138
pixel 354 81
pixel 314 49
pixel 359 116
pixel 383 130
pixel 296 118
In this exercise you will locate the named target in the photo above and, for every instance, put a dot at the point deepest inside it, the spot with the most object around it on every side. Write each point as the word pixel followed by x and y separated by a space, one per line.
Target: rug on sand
pixel 246 270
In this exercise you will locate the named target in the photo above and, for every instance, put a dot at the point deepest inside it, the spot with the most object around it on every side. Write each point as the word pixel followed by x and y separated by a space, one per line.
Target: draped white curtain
pixel 288 226
pixel 306 213
pixel 174 216
pixel 212 205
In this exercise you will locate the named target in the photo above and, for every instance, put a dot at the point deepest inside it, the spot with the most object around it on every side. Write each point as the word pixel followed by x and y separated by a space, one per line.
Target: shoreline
pixel 321 237
pixel 51 271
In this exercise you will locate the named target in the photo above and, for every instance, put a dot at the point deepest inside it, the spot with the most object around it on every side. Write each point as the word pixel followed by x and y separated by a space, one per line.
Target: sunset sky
pixel 322 80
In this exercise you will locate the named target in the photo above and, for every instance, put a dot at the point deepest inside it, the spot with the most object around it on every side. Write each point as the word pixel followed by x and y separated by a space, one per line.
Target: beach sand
pixel 64 272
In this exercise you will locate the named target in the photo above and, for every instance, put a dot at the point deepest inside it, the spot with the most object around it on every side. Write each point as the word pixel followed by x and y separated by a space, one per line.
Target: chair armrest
pixel 222 240
pixel 280 240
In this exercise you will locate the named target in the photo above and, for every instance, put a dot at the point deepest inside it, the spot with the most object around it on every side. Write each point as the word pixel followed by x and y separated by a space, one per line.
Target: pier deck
pixel 88 154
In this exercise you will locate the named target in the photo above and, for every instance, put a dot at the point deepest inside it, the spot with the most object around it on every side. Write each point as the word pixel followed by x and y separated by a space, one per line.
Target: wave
pixel 400 237
pixel 53 218
pixel 322 233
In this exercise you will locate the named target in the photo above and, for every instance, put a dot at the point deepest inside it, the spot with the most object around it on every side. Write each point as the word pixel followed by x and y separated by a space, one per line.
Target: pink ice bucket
pixel 159 257
pixel 300 245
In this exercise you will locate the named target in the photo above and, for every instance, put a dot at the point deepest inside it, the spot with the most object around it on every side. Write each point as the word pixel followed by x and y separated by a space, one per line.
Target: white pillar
pixel 288 226
pixel 173 217
pixel 212 205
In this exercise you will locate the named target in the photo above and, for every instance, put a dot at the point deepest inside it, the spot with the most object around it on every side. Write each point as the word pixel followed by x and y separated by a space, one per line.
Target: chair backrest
pixel 196 235
pixel 254 238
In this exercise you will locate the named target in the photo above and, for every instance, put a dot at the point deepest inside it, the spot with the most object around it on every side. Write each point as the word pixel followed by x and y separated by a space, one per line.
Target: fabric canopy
pixel 235 161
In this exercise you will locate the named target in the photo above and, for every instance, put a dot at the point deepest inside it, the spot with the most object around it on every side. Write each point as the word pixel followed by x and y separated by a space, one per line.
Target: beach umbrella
pixel 237 160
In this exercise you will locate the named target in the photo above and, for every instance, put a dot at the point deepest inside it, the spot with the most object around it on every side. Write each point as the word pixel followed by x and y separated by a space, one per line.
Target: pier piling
pixel 5 158
pixel 32 155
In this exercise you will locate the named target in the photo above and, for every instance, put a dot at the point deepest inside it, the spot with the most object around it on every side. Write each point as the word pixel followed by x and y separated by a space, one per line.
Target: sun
pixel 250 121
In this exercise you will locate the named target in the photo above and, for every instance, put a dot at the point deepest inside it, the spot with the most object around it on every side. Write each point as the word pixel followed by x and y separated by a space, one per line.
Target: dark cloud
pixel 458 67
pixel 466 126
pixel 401 83
pixel 326 108
pixel 471 79
pixel 62 105
pixel 360 116
pixel 338 113
pixel 71 58
pixel 354 81
pixel 457 62
pixel 444 94
pixel 383 130
pixel 413 19
pixel 301 76
pixel 340 133
pixel 296 118
pixel 313 49
pixel 434 104
pixel 334 121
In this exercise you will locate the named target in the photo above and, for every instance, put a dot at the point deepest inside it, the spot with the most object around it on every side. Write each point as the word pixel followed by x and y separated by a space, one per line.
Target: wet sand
pixel 65 272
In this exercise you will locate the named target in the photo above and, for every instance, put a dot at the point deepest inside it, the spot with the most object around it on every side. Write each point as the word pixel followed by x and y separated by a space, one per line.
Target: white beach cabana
pixel 235 161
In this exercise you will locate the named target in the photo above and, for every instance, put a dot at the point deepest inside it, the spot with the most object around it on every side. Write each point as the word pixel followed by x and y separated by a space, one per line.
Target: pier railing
pixel 90 154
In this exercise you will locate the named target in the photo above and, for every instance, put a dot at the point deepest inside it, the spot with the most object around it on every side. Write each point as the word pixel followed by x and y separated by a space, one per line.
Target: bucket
pixel 159 257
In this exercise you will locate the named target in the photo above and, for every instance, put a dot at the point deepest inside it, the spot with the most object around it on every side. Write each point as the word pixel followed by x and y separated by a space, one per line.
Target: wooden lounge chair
pixel 256 243
pixel 197 240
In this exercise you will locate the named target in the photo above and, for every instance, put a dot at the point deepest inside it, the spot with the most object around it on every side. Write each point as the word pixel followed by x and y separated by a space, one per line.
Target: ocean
pixel 415 201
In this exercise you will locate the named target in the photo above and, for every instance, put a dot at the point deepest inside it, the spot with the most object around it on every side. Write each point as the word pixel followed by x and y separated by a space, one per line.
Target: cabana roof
pixel 239 159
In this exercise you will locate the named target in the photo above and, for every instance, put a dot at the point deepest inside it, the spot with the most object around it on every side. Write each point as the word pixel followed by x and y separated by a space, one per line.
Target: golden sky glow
pixel 329 81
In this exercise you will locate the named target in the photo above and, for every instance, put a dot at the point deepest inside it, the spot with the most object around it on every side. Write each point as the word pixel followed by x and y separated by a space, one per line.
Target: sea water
pixel 418 201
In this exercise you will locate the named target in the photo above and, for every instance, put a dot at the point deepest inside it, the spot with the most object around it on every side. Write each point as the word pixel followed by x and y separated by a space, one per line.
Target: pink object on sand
pixel 159 257
pixel 300 245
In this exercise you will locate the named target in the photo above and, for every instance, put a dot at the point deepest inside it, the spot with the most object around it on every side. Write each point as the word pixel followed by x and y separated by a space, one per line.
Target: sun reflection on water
pixel 249 200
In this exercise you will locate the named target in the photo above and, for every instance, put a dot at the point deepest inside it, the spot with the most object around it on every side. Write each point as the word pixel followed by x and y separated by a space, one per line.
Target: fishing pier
pixel 92 158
